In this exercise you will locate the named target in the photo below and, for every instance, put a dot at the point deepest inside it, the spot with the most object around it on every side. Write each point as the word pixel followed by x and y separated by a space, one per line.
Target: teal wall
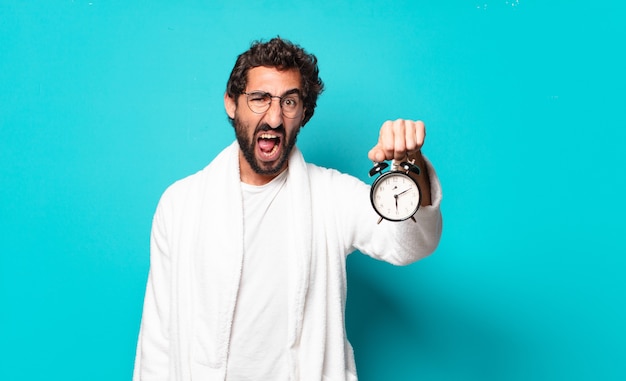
pixel 105 103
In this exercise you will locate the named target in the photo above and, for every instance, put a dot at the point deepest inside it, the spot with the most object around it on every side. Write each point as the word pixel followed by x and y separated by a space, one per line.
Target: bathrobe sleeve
pixel 152 357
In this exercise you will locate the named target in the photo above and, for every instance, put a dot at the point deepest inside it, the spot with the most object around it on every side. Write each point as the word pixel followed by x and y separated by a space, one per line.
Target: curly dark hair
pixel 283 55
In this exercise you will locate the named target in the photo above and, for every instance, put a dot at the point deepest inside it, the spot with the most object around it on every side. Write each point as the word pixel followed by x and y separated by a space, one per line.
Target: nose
pixel 274 115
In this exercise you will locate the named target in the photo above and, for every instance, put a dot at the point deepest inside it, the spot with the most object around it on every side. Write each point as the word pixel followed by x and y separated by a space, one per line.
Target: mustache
pixel 266 127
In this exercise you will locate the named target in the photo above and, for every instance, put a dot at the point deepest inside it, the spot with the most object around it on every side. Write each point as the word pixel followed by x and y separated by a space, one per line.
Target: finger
pixel 400 139
pixel 416 137
pixel 376 154
pixel 386 139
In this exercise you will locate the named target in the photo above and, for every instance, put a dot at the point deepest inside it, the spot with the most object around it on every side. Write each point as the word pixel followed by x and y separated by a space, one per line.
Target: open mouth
pixel 269 145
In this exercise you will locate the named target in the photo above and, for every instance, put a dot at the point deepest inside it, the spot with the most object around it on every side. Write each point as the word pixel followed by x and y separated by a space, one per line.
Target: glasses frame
pixel 281 101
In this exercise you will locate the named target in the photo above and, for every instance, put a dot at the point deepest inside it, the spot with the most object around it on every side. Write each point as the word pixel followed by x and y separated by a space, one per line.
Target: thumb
pixel 376 154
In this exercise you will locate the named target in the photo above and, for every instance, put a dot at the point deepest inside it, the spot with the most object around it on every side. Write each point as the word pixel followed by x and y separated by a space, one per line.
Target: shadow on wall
pixel 401 334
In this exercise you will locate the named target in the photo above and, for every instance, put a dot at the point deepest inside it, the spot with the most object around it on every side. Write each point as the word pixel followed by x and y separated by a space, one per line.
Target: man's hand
pixel 400 140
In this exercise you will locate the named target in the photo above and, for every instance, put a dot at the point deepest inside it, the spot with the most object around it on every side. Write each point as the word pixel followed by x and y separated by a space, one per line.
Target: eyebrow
pixel 292 91
pixel 288 92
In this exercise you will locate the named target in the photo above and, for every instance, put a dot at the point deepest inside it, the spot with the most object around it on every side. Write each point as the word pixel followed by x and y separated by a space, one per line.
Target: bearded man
pixel 248 278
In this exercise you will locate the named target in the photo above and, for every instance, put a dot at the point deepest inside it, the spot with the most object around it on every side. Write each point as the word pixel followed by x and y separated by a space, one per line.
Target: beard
pixel 248 147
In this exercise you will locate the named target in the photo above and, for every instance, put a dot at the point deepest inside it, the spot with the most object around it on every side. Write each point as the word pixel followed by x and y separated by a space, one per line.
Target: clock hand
pixel 404 191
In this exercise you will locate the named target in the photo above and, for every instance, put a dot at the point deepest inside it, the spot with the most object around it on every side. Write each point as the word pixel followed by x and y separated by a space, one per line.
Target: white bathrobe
pixel 196 262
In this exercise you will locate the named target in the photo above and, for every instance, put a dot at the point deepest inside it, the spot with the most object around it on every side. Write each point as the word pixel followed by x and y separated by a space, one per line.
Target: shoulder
pixel 187 184
pixel 329 179
pixel 222 168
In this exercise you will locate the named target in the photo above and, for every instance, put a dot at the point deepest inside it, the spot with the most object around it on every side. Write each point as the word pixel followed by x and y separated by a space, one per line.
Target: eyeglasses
pixel 259 102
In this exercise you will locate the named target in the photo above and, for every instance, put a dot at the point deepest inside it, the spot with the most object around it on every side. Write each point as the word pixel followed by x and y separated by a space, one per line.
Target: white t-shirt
pixel 258 346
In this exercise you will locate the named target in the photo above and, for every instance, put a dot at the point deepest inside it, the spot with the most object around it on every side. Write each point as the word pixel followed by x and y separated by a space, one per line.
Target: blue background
pixel 105 103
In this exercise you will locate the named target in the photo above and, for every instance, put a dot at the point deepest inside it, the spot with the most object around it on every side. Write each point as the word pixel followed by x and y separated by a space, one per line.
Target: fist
pixel 398 139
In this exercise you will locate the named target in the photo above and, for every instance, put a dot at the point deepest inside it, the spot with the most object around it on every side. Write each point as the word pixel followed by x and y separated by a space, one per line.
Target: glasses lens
pixel 259 102
pixel 290 105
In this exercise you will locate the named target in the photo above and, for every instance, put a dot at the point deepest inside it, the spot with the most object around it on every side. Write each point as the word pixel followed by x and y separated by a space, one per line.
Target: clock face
pixel 395 196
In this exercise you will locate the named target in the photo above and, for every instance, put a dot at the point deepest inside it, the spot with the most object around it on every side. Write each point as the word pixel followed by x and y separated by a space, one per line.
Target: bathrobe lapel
pixel 218 258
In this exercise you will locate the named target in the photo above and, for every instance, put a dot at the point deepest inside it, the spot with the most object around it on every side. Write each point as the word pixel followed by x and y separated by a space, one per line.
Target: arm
pixel 405 242
pixel 152 357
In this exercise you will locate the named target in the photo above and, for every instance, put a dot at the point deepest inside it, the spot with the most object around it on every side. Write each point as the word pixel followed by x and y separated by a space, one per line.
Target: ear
pixel 230 105
pixel 302 119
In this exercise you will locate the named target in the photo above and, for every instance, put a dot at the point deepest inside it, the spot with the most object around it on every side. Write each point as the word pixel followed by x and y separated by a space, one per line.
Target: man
pixel 247 278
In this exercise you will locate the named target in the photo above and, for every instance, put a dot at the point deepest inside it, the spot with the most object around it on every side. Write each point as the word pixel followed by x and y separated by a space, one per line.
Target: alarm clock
pixel 395 195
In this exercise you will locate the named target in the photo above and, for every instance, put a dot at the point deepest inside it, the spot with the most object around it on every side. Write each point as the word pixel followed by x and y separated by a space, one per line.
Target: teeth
pixel 270 136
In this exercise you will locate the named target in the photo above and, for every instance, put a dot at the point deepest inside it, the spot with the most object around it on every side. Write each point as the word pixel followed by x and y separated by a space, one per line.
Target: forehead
pixel 272 80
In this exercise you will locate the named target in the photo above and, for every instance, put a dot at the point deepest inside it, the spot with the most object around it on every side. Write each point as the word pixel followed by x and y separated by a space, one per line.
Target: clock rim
pixel 377 182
